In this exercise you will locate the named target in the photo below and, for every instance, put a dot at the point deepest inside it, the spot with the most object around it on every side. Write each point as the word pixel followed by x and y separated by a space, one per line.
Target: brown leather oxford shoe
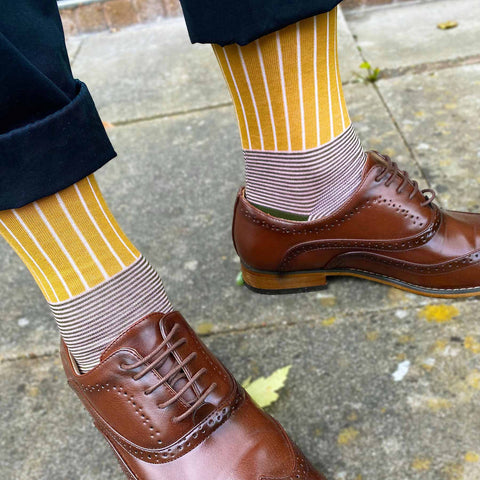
pixel 171 411
pixel 389 232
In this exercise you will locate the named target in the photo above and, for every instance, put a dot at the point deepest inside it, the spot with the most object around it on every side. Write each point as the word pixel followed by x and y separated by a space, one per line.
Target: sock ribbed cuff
pixel 89 322
pixel 313 182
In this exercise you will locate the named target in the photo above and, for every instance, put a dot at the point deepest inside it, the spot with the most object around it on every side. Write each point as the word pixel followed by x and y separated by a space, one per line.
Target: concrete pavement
pixel 172 189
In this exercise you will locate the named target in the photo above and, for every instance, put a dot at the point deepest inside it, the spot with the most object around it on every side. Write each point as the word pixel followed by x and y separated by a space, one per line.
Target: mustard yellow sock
pixel 302 154
pixel 93 277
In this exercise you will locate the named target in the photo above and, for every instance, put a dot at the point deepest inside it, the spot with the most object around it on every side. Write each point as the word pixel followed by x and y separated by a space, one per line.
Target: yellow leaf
pixel 329 321
pixel 437 404
pixel 439 313
pixel 447 25
pixel 471 344
pixel 263 390
pixel 421 464
pixel 472 457
pixel 372 336
pixel 204 328
pixel 347 436
pixel 473 379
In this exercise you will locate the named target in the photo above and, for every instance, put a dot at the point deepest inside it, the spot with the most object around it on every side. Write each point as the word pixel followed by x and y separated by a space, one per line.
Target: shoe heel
pixel 266 282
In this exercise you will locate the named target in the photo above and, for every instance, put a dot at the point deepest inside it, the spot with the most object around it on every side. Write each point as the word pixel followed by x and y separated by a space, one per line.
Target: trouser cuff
pixel 46 156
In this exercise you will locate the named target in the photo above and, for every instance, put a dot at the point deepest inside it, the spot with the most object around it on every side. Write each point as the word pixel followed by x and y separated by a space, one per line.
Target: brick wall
pixel 364 3
pixel 114 14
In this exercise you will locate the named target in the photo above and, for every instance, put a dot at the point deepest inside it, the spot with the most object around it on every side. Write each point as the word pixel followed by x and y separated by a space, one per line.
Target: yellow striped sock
pixel 69 241
pixel 96 282
pixel 286 86
pixel 302 155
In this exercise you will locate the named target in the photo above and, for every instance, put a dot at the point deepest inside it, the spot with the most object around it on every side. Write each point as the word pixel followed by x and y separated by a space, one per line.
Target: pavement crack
pixel 429 67
pixel 395 123
pixel 284 325
pixel 29 356
pixel 174 114
pixel 75 55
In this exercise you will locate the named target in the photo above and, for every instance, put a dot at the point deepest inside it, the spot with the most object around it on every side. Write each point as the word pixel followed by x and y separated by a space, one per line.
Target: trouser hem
pixel 46 156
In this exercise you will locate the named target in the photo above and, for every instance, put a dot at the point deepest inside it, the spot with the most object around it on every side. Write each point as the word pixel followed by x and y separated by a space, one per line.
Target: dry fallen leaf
pixel 239 280
pixel 447 25
pixel 107 125
pixel 263 390
pixel 204 328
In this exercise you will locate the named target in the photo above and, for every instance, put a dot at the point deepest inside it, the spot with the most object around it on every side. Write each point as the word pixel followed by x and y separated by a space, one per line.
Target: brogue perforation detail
pixel 188 443
pixel 98 387
pixel 368 244
pixel 130 400
pixel 378 200
pixel 305 231
pixel 400 209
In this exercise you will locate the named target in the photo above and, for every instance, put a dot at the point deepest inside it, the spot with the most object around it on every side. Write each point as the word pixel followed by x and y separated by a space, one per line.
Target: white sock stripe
pixel 230 91
pixel 247 128
pixel 155 301
pixel 332 200
pixel 118 298
pixel 293 154
pixel 84 241
pixel 315 60
pixel 97 228
pixel 332 132
pixel 311 160
pixel 37 266
pixel 42 251
pixel 267 92
pixel 120 279
pixel 300 85
pixel 98 308
pixel 130 280
pixel 301 196
pixel 281 202
pixel 60 244
pixel 101 323
pixel 94 341
pixel 298 159
pixel 108 219
pixel 314 183
pixel 284 92
pixel 91 321
pixel 337 73
pixel 252 96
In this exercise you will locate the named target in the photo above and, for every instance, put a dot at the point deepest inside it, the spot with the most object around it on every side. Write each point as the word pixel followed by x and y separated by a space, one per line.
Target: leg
pixel 94 279
pixel 359 214
pixel 50 132
pixel 302 155
pixel 167 407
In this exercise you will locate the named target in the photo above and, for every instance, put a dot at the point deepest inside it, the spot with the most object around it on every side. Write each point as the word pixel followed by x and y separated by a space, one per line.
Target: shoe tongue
pixel 143 337
pixel 374 159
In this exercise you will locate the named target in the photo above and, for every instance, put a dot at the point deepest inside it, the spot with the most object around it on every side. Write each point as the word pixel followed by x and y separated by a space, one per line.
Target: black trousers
pixel 242 21
pixel 50 133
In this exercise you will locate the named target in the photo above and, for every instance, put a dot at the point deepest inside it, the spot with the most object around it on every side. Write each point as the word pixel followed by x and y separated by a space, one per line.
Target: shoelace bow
pixel 174 375
pixel 391 170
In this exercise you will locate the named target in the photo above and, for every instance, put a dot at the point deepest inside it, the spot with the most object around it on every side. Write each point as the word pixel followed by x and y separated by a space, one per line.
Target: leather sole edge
pixel 296 282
